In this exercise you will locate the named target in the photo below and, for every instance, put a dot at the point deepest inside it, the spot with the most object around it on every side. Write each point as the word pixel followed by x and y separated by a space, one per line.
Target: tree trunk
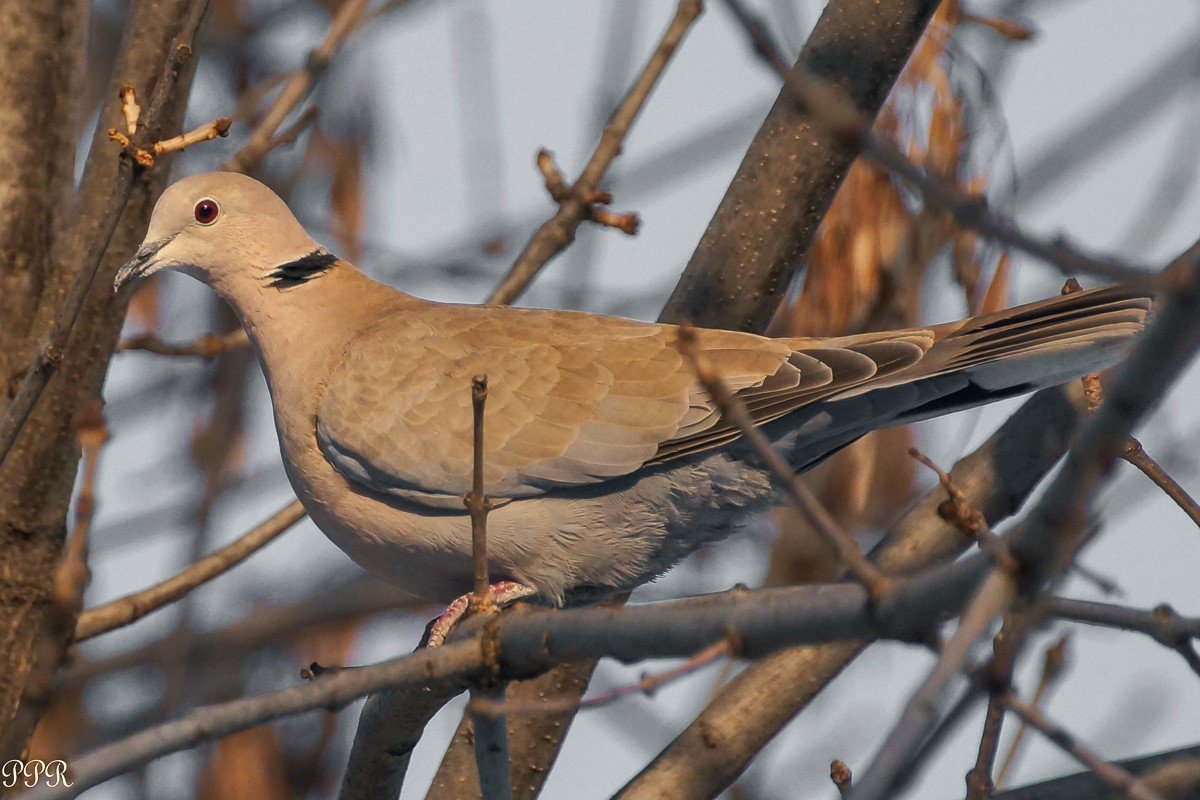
pixel 43 246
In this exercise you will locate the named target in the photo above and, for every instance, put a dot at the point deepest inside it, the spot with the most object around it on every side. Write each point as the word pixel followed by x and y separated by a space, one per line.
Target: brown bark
pixel 37 476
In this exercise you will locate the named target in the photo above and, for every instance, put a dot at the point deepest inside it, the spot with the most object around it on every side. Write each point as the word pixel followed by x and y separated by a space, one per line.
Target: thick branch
pixel 527 641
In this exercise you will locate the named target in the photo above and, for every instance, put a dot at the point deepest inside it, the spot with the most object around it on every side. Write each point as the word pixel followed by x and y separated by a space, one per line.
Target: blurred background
pixel 418 166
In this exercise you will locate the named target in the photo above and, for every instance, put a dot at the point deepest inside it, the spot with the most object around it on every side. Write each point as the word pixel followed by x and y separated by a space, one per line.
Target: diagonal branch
pixel 129 609
pixel 837 114
pixel 1056 528
pixel 752 708
pixel 577 202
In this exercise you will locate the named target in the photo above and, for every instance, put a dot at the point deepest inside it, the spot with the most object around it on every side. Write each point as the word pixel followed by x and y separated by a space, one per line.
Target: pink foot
pixel 503 593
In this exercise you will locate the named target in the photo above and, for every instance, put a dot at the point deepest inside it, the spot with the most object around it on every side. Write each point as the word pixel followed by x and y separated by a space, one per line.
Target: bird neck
pixel 299 329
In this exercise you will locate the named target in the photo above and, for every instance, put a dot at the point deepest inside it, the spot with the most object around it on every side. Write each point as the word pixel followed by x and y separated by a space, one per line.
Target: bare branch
pixel 1129 785
pixel 1162 623
pixel 528 640
pixel 577 203
pixel 1053 662
pixel 1056 528
pixel 133 607
pixel 836 112
pixel 996 478
pixel 208 346
pixel 798 493
pixel 1175 773
pixel 262 139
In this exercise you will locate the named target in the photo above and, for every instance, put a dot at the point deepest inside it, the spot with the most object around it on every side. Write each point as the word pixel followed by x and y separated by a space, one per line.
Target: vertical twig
pixel 477 502
pixel 491 731
pixel 1005 649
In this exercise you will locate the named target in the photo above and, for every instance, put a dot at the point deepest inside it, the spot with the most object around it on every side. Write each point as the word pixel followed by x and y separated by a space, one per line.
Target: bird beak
pixel 142 264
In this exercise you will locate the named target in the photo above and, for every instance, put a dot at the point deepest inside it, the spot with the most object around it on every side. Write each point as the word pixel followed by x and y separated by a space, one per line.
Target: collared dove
pixel 605 459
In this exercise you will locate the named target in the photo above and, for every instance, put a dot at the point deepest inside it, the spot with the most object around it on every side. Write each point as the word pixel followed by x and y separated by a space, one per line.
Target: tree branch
pixel 527 641
pixel 262 139
pixel 130 608
pixel 1056 527
pixel 752 708
pixel 577 202
pixel 49 353
pixel 836 113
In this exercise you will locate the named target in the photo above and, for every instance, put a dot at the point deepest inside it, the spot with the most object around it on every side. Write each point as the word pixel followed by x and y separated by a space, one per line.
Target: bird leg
pixel 503 593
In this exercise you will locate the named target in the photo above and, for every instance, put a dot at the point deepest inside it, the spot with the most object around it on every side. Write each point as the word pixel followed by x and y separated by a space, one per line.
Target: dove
pixel 606 461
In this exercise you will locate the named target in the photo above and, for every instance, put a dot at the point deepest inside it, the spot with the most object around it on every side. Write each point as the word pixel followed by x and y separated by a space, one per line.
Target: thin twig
pixel 999 674
pixel 1054 660
pixel 1162 623
pixel 832 109
pixel 478 504
pixel 145 157
pixel 577 203
pixel 1129 785
pixel 646 685
pixel 1136 455
pixel 50 351
pixel 262 139
pixel 800 496
pixel 957 511
pixel 130 608
pixel 491 730
pixel 207 346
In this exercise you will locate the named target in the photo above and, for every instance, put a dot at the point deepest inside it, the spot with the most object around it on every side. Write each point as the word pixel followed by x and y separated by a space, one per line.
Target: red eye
pixel 206 211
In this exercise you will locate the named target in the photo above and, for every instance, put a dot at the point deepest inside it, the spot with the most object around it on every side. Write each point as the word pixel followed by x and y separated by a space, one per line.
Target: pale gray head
pixel 224 228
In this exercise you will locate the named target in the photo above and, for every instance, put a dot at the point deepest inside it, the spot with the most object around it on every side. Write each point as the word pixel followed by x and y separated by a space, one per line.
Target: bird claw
pixel 503 593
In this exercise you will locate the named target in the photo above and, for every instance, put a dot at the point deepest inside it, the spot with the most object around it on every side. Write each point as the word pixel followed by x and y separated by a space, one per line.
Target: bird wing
pixel 573 399
pixel 579 399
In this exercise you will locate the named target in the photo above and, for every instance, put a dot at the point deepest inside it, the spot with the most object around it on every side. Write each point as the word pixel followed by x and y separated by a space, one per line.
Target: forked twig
pixel 579 201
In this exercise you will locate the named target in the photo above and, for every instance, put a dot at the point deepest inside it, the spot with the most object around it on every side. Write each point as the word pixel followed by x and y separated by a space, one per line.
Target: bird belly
pixel 589 542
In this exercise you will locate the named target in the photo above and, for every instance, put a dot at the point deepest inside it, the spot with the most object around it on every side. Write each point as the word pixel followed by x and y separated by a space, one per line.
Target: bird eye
pixel 206 211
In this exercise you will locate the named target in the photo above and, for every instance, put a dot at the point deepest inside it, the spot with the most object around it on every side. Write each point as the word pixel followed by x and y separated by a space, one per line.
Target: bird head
pixel 221 228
